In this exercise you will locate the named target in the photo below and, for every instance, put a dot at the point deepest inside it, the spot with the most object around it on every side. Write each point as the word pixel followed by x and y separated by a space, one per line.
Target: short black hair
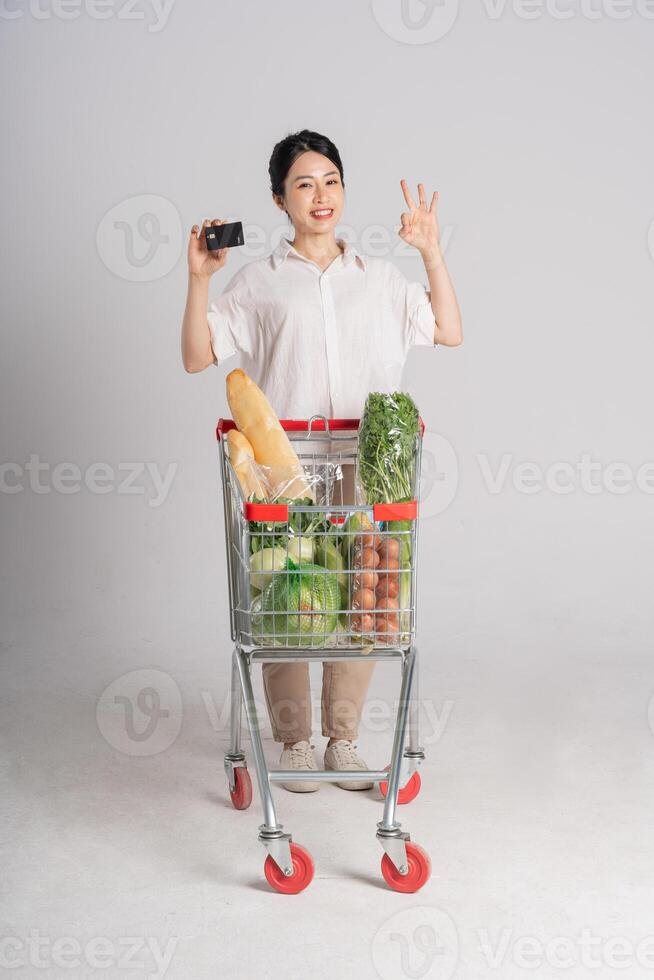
pixel 291 147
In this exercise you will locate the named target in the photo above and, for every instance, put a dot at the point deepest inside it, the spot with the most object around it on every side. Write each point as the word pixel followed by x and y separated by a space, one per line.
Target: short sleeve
pixel 232 319
pixel 412 305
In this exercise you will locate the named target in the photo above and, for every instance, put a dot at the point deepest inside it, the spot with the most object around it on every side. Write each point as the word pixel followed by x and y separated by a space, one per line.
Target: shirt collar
pixel 285 246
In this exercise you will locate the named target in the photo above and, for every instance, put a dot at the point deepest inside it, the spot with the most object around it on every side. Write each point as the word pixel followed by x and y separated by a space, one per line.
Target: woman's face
pixel 313 185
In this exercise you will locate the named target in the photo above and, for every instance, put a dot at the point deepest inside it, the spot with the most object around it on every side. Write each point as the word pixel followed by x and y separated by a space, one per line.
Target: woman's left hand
pixel 420 224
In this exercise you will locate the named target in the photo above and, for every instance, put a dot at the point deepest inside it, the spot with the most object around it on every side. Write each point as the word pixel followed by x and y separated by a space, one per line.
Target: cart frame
pixel 406 755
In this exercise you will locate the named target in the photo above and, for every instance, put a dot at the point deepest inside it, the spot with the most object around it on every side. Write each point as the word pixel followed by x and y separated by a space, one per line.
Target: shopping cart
pixel 271 626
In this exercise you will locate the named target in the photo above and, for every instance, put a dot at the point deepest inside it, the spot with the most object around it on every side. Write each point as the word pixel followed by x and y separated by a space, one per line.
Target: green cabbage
pixel 301 599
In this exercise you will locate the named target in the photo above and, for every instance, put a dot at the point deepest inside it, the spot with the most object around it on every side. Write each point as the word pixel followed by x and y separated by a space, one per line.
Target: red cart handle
pixel 302 425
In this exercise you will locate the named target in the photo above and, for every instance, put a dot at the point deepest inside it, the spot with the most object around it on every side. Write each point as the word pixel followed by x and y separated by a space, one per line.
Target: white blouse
pixel 314 341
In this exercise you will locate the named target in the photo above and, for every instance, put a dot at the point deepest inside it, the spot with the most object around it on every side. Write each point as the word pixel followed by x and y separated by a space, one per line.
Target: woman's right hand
pixel 202 262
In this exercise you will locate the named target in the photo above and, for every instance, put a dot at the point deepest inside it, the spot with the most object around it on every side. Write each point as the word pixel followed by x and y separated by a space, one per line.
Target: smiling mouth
pixel 322 213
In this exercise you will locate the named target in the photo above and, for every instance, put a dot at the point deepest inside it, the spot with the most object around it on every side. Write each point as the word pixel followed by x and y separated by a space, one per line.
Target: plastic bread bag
pixel 284 484
pixel 259 433
pixel 320 485
pixel 266 484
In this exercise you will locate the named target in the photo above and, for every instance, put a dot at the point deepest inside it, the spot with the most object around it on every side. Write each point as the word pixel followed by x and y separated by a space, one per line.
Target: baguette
pixel 255 418
pixel 240 454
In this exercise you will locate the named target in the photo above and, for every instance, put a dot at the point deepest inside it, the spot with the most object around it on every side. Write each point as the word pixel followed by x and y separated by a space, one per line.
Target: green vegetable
pixel 405 529
pixel 300 549
pixel 262 565
pixel 301 599
pixel 387 447
pixel 327 553
pixel 356 522
pixel 268 534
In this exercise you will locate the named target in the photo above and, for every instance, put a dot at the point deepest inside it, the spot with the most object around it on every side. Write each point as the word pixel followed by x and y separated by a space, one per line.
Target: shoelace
pixel 345 754
pixel 302 756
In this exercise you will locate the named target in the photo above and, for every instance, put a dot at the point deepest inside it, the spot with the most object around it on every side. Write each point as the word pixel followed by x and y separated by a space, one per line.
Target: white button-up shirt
pixel 317 341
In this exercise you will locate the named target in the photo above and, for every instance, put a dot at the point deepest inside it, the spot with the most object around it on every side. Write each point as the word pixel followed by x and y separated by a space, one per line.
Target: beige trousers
pixel 344 684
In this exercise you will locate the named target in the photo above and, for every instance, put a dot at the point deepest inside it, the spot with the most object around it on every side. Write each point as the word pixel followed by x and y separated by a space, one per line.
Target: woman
pixel 319 326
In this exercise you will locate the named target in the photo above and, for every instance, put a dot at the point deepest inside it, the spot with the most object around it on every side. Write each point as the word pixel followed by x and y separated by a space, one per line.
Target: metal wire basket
pixel 329 574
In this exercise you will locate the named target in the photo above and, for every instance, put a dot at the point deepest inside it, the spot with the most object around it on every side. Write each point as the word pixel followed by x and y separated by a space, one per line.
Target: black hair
pixel 290 148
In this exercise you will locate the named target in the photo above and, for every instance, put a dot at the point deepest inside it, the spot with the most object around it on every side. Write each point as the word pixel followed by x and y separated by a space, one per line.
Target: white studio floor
pixel 536 810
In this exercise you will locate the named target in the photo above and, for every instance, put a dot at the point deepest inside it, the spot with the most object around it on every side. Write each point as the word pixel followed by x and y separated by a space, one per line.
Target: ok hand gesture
pixel 419 224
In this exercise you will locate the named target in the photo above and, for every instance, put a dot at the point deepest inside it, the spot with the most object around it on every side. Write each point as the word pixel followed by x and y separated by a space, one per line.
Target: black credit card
pixel 224 236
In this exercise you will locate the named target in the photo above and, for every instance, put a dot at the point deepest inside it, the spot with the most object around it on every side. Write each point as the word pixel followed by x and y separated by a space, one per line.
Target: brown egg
pixel 364 599
pixel 369 558
pixel 381 627
pixel 356 599
pixel 390 547
pixel 387 602
pixel 366 580
pixel 387 586
pixel 368 539
pixel 387 628
pixel 367 599
pixel 362 624
pixel 388 563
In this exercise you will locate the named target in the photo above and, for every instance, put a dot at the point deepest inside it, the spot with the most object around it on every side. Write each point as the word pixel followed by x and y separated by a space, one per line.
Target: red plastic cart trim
pixel 395 512
pixel 302 425
pixel 265 512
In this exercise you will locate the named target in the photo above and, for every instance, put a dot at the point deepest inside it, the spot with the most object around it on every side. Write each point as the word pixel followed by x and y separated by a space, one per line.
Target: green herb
pixel 387 447
pixel 266 534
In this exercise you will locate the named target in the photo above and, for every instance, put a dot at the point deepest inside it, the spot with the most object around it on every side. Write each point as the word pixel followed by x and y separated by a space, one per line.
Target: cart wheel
pixel 242 793
pixel 302 872
pixel 408 792
pixel 418 874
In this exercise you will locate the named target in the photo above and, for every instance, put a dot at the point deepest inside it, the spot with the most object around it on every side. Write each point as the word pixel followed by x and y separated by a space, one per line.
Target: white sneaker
pixel 341 755
pixel 299 756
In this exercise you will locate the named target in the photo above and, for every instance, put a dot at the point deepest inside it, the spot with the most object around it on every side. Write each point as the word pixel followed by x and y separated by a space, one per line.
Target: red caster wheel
pixel 302 872
pixel 242 793
pixel 419 870
pixel 408 792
